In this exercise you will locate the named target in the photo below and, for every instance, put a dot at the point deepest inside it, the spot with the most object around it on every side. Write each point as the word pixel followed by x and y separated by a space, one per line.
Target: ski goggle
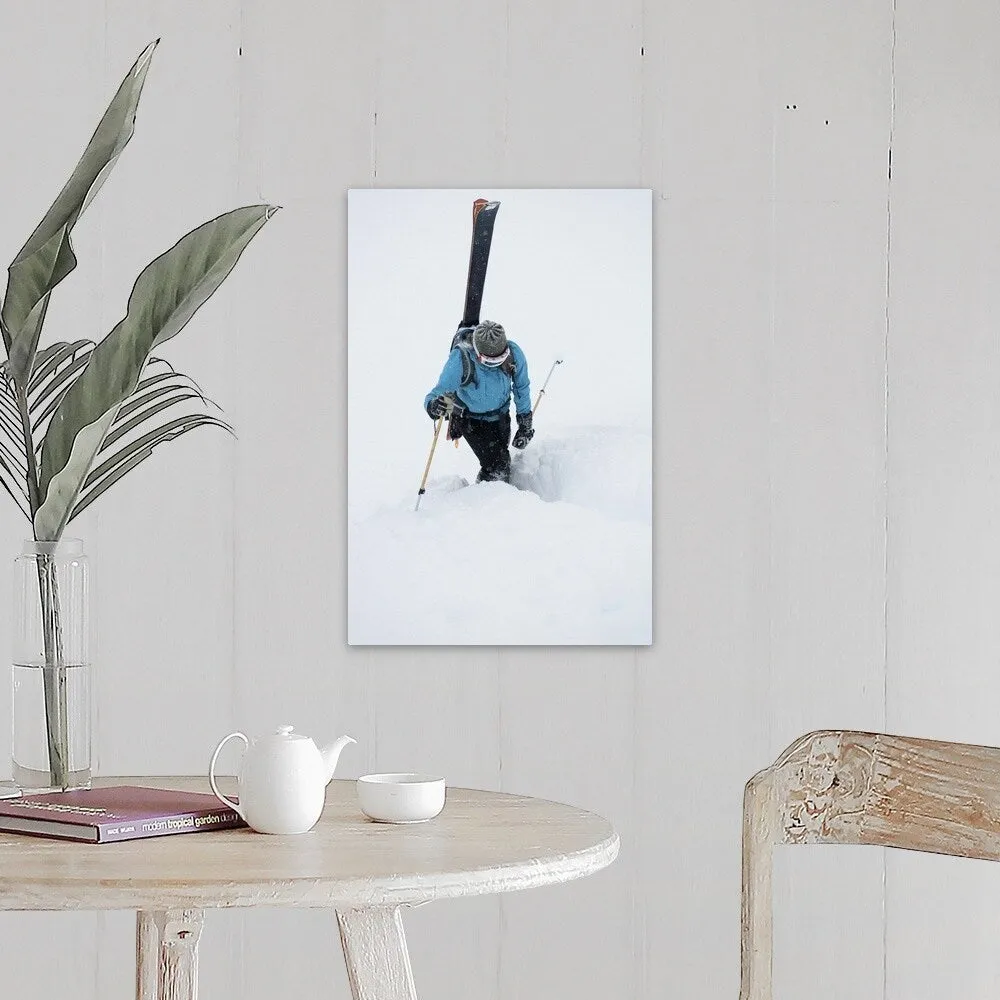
pixel 493 362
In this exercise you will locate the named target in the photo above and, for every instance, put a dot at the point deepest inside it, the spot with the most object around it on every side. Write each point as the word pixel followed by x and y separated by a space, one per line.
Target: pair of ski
pixel 484 214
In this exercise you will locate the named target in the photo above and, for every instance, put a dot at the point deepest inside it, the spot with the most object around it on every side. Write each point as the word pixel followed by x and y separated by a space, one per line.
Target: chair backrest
pixel 841 787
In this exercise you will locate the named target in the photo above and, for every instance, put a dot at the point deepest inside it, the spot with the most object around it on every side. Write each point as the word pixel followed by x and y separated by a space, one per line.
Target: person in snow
pixel 484 369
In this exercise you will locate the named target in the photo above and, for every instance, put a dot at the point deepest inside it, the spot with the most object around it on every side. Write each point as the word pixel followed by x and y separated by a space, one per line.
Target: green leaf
pixel 169 373
pixel 51 358
pixel 122 427
pixel 53 372
pixel 10 417
pixel 48 255
pixel 177 384
pixel 12 483
pixel 166 295
pixel 12 449
pixel 136 452
pixel 64 487
pixel 52 392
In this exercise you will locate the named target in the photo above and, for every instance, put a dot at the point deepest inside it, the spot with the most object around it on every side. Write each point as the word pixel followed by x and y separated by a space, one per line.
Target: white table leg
pixel 147 955
pixel 167 954
pixel 378 965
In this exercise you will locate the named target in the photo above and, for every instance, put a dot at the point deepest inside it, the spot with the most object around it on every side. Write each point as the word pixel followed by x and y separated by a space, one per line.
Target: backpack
pixel 463 341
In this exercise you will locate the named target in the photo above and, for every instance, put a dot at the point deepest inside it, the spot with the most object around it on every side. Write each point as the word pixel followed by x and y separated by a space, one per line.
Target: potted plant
pixel 77 416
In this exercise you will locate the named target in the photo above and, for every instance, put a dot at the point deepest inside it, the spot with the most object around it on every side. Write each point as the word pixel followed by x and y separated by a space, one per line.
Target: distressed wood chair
pixel 836 787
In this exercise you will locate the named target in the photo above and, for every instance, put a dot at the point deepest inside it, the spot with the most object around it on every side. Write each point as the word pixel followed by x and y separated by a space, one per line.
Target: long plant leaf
pixel 52 394
pixel 165 296
pixel 12 449
pixel 48 255
pixel 54 371
pixel 142 396
pixel 47 361
pixel 148 380
pixel 109 472
pixel 122 427
pixel 12 428
pixel 14 489
pixel 10 421
pixel 10 418
pixel 13 463
pixel 11 436
pixel 42 357
pixel 153 387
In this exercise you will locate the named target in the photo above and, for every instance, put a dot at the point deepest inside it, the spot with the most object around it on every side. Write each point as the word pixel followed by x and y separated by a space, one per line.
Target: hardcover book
pixel 118 812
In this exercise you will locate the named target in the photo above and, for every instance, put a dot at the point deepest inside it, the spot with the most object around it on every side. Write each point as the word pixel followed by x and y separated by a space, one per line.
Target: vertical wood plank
pixel 577 126
pixel 310 166
pixel 702 693
pixel 438 107
pixel 705 682
pixel 567 734
pixel 944 450
pixel 829 135
pixel 306 80
pixel 116 946
pixel 751 190
pixel 301 146
pixel 52 76
pixel 944 355
pixel 383 114
pixel 52 61
pixel 566 715
pixel 163 607
pixel 53 950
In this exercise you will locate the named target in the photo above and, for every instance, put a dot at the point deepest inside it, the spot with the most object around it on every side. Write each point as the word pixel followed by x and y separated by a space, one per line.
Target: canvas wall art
pixel 499 417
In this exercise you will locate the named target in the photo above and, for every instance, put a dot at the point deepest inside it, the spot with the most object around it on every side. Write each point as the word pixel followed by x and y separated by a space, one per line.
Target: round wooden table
pixel 482 842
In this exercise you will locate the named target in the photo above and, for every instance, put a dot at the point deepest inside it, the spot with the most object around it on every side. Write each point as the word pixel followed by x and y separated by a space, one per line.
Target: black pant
pixel 489 440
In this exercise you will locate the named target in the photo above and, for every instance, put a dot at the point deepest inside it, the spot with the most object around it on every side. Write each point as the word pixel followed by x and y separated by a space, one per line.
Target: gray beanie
pixel 489 339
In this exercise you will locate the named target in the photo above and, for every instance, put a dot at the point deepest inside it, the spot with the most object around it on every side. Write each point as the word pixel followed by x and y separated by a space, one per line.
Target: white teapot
pixel 282 780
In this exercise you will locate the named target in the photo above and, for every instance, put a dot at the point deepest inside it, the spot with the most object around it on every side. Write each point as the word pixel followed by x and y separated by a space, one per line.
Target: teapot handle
pixel 211 775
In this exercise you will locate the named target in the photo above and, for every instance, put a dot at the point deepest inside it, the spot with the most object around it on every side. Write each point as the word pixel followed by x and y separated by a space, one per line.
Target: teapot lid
pixel 285 733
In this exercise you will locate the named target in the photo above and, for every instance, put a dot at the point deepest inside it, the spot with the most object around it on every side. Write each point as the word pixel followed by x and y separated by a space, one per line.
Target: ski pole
pixel 438 424
pixel 541 392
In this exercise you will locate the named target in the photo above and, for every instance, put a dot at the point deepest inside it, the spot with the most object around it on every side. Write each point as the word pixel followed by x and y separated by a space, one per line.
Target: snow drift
pixel 561 555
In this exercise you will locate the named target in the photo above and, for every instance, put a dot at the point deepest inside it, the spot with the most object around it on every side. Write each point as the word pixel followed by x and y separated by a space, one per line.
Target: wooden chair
pixel 835 787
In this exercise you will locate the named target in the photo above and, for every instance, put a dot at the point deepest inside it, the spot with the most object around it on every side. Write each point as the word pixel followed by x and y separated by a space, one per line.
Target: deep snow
pixel 561 555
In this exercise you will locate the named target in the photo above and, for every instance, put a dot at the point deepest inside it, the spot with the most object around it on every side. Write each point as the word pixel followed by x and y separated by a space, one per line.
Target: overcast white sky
pixel 569 277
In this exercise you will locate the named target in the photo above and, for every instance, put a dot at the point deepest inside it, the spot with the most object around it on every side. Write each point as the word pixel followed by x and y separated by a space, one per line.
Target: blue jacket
pixel 488 395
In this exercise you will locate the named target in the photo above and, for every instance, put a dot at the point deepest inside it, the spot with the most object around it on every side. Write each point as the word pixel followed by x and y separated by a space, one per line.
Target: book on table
pixel 115 813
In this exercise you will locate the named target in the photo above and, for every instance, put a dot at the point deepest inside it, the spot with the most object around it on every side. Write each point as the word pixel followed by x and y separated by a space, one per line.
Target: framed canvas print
pixel 499 417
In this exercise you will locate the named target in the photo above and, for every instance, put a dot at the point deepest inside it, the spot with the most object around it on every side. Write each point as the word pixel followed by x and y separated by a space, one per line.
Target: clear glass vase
pixel 51 667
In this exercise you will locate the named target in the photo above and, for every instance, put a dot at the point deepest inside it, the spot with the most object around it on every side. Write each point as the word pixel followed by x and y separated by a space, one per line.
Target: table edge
pixel 352 893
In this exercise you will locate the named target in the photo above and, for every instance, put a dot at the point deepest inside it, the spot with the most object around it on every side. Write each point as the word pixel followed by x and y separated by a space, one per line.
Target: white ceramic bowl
pixel 401 798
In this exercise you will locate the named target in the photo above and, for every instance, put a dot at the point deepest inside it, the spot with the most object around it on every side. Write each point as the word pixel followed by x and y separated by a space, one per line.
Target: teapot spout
pixel 331 754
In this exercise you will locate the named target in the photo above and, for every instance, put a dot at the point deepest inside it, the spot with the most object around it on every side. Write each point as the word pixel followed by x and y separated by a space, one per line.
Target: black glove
pixel 456 425
pixel 437 407
pixel 525 432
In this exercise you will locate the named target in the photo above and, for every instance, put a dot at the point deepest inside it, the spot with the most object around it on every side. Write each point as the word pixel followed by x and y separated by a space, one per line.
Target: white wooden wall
pixel 826 370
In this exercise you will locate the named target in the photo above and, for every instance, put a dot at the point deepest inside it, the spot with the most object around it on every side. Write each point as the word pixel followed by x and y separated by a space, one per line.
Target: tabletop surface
pixel 482 842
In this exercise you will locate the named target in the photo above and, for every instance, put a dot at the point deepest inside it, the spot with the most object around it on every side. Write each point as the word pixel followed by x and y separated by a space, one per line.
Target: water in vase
pixel 30 748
